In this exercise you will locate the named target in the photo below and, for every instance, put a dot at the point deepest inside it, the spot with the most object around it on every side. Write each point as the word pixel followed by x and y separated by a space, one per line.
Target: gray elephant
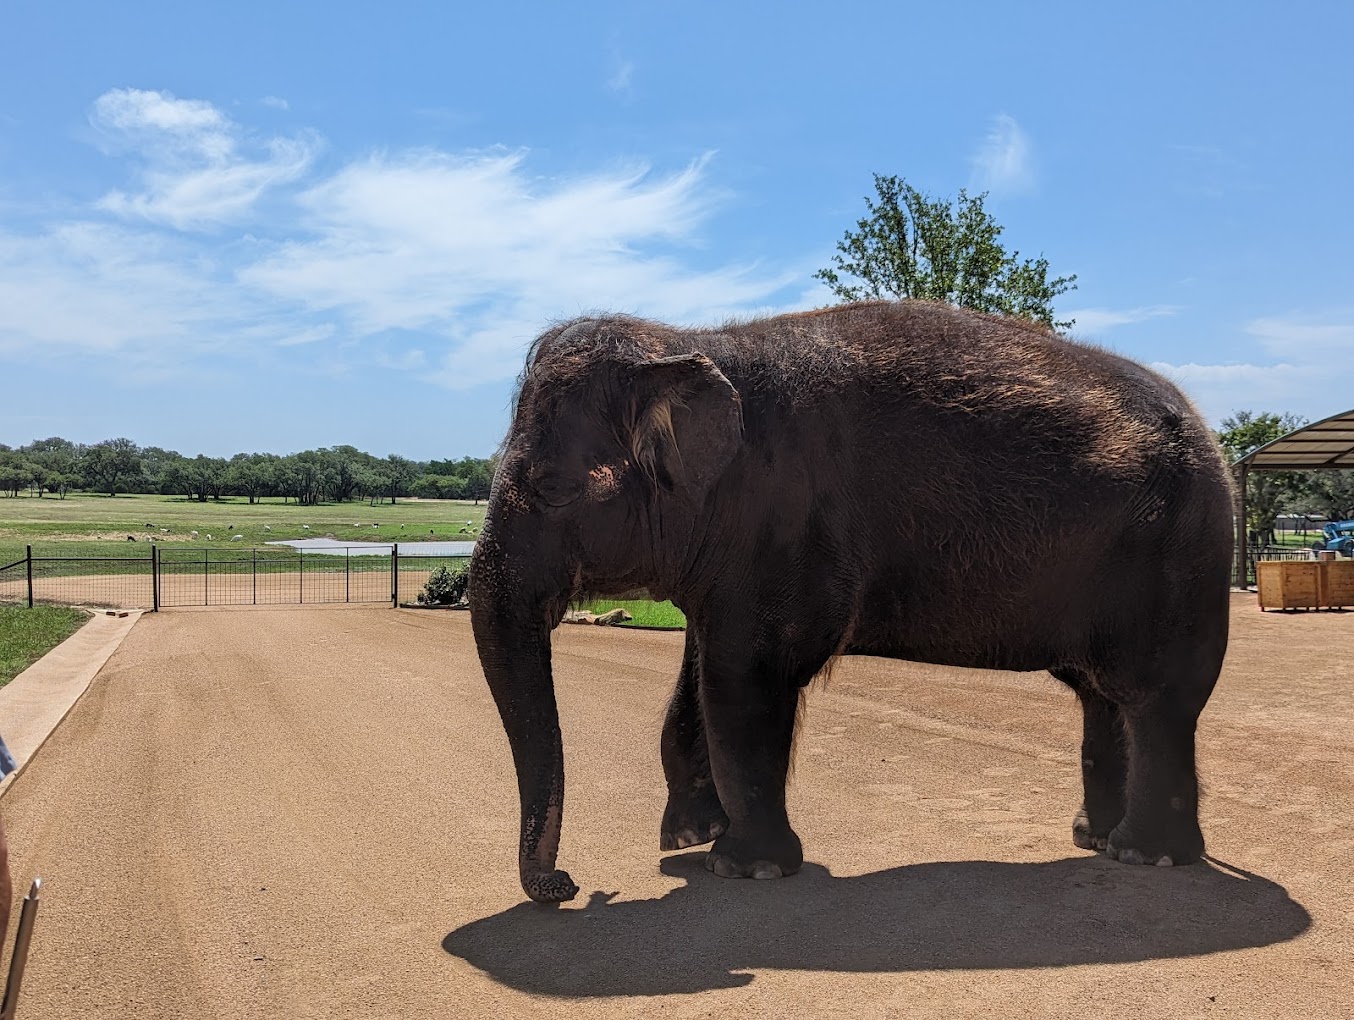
pixel 898 479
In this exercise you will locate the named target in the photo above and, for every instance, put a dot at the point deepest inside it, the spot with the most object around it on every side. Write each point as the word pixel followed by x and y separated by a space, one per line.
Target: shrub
pixel 445 587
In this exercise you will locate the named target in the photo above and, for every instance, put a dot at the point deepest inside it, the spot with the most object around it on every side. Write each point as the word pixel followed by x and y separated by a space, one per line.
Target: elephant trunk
pixel 512 636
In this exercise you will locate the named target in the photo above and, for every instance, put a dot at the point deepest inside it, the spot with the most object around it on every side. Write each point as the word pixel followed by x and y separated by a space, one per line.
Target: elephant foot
pixel 1091 835
pixel 733 856
pixel 1126 846
pixel 551 887
pixel 691 821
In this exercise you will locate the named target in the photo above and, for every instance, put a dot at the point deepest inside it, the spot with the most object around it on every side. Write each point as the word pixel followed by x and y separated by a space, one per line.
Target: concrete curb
pixel 35 702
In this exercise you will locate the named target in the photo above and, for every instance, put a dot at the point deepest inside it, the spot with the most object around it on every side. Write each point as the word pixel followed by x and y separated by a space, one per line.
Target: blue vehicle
pixel 1337 536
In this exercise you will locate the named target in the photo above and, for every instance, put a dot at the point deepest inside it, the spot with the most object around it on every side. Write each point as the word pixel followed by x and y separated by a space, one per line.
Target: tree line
pixel 333 474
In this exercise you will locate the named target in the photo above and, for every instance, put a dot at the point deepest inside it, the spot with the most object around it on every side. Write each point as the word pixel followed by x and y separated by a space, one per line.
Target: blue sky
pixel 277 226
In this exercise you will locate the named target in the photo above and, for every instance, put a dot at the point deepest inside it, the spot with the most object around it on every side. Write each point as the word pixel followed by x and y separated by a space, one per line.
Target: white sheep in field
pixel 237 538
pixel 266 528
pixel 305 527
pixel 164 531
pixel 209 538
pixel 192 534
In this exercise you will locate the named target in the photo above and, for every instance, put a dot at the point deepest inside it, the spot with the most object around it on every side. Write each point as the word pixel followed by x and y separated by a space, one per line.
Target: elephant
pixel 903 479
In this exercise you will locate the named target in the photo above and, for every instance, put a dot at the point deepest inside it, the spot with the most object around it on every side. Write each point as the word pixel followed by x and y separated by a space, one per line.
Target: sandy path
pixel 310 813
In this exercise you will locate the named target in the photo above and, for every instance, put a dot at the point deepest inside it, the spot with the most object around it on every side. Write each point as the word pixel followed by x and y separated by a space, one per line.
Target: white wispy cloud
pixel 196 167
pixel 1305 334
pixel 1090 321
pixel 621 78
pixel 477 251
pixel 1300 379
pixel 440 264
pixel 1005 162
pixel 276 102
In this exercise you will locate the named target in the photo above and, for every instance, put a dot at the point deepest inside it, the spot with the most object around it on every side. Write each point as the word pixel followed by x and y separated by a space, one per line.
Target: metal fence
pixel 181 576
pixel 1268 552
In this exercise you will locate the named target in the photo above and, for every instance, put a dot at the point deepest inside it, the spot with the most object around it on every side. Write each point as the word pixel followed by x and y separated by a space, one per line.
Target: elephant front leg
pixel 749 713
pixel 693 814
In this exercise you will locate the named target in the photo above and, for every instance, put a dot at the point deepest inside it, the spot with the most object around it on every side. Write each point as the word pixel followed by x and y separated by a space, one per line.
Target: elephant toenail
pixel 688 837
pixel 765 869
pixel 725 868
pixel 1165 862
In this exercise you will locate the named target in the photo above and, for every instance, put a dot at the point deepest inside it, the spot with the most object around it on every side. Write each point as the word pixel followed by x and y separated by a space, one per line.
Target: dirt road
pixel 311 813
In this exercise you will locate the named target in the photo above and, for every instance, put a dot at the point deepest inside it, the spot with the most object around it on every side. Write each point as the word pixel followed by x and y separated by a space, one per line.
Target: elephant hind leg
pixel 1104 763
pixel 1155 702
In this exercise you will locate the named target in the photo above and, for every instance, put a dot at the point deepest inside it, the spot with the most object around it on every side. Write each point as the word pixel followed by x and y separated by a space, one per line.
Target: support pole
pixel 1240 568
pixel 154 578
pixel 29 555
pixel 395 576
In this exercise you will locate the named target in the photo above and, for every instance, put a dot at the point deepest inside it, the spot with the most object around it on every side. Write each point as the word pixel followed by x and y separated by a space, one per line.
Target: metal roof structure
pixel 1325 444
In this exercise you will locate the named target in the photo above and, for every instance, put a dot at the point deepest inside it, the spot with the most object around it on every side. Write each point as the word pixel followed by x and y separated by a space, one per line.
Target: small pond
pixel 333 547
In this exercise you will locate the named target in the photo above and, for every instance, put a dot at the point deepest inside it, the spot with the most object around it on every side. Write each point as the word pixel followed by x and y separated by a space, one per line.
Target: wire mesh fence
pixel 1254 554
pixel 185 576
pixel 276 575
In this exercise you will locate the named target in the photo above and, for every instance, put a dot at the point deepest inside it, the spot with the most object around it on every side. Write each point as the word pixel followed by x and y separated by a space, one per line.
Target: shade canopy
pixel 1328 443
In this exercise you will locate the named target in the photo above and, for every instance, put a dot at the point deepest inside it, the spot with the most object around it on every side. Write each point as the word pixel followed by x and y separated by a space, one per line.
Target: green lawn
pixel 91 525
pixel 26 635
pixel 646 614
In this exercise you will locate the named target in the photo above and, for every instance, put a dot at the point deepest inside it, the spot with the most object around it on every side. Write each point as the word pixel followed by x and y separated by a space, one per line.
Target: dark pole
pixel 347 573
pixel 395 575
pixel 30 577
pixel 301 595
pixel 1242 577
pixel 206 601
pixel 154 578
pixel 255 575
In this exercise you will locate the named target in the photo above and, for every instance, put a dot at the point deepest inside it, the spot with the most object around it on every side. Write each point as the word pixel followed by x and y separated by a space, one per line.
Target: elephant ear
pixel 686 423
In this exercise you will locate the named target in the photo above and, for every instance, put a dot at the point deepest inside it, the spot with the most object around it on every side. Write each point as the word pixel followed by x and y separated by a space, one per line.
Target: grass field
pixel 646 614
pixel 84 525
pixel 89 525
pixel 26 635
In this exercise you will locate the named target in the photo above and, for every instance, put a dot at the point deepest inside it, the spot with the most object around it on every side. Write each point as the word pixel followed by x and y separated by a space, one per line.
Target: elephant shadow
pixel 945 915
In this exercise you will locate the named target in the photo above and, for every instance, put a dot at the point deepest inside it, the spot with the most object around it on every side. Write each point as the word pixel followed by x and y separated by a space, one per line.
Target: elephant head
pixel 616 444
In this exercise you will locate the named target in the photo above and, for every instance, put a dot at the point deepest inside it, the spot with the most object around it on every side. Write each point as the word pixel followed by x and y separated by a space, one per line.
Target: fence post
pixel 30 576
pixel 301 595
pixel 206 599
pixel 395 576
pixel 255 576
pixel 154 578
pixel 347 573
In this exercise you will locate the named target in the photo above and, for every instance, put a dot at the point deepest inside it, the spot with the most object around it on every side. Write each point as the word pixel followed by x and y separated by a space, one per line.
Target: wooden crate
pixel 1336 583
pixel 1288 584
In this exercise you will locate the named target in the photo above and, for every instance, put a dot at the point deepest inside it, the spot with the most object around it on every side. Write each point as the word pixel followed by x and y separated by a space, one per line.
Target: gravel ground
pixel 311 813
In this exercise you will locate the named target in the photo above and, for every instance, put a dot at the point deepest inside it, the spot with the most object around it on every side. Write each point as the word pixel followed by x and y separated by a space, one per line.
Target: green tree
pixel 111 463
pixel 914 246
pixel 1268 493
pixel 1330 494
pixel 16 471
pixel 248 475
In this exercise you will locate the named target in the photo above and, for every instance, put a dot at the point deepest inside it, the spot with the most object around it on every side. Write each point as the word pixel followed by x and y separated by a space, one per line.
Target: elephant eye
pixel 556 489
